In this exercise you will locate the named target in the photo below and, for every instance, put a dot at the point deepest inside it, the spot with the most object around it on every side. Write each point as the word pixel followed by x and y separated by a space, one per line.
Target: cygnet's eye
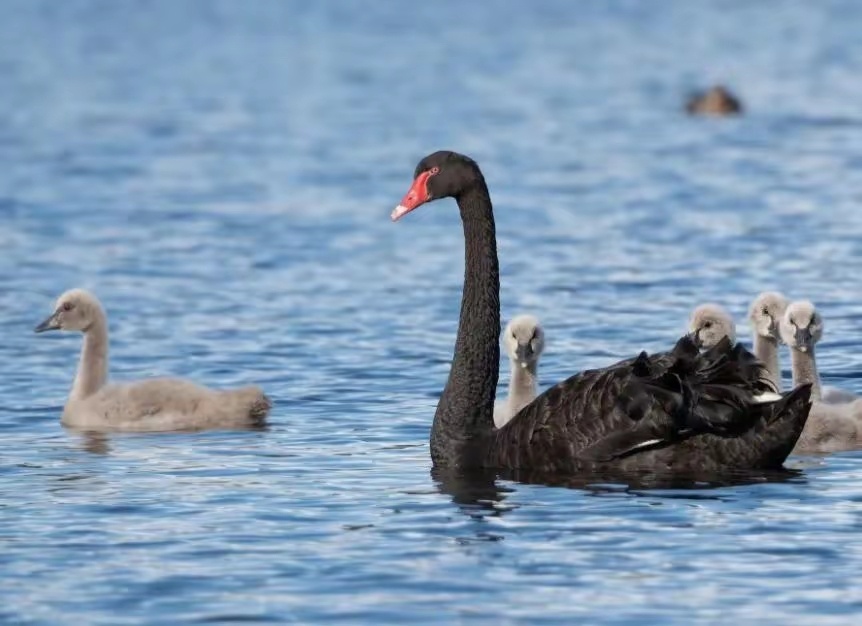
pixel 68 306
pixel 707 324
pixel 765 311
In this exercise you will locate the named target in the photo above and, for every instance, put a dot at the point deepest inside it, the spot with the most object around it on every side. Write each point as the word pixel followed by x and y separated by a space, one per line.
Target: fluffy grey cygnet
pixel 830 427
pixel 524 341
pixel 159 404
pixel 709 324
pixel 765 314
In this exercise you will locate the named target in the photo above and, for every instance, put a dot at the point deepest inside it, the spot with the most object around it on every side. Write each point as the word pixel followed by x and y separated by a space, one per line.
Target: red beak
pixel 416 196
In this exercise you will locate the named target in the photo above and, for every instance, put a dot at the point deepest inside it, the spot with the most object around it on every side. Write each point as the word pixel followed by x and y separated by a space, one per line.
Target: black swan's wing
pixel 635 406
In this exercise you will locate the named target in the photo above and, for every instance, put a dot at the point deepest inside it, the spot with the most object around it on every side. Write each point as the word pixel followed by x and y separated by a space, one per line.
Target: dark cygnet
pixel 716 101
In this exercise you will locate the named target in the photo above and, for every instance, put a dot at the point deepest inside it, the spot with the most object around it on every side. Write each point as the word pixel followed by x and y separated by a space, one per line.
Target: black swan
pixel 680 410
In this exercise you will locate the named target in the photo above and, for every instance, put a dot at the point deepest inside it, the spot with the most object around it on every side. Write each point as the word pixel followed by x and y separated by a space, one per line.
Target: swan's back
pixel 657 410
pixel 832 428
pixel 164 404
pixel 835 395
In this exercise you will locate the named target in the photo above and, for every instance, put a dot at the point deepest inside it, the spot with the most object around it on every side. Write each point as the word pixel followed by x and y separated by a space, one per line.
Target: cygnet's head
pixel 709 324
pixel 76 309
pixel 801 326
pixel 766 312
pixel 524 340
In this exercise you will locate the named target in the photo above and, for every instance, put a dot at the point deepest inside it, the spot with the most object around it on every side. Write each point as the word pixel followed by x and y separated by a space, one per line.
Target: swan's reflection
pixel 615 481
pixel 477 492
pixel 96 443
pixel 481 493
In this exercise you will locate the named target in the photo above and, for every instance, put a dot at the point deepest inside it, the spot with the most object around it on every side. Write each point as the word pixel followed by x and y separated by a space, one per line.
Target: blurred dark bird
pixel 714 101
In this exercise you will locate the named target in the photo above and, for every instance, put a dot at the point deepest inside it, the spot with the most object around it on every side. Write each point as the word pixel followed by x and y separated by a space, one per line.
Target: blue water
pixel 221 175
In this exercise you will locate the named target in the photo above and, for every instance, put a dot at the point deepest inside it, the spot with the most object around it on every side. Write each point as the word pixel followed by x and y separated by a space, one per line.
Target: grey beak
pixel 524 352
pixel 774 329
pixel 803 338
pixel 695 339
pixel 51 323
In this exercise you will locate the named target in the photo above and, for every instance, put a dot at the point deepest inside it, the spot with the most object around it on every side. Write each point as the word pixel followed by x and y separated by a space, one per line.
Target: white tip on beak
pixel 399 212
pixel 523 364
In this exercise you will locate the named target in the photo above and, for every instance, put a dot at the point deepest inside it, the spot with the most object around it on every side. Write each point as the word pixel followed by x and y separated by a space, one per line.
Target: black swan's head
pixel 801 326
pixel 442 174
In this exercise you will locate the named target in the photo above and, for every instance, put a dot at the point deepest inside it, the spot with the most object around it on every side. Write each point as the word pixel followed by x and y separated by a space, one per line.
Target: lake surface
pixel 221 175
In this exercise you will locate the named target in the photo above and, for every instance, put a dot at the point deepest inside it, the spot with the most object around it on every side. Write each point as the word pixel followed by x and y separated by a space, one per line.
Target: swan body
pixel 524 340
pixel 831 427
pixel 679 410
pixel 158 404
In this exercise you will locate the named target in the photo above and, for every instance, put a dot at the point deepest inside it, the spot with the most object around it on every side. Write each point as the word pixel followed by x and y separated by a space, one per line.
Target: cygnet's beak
pixel 694 336
pixel 523 353
pixel 51 323
pixel 774 330
pixel 803 339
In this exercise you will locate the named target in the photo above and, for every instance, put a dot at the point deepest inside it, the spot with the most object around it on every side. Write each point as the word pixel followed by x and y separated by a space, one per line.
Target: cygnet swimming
pixel 524 341
pixel 764 315
pixel 159 404
pixel 830 427
pixel 709 324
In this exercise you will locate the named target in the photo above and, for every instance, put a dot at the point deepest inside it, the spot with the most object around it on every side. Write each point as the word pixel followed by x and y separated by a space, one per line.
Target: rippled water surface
pixel 221 175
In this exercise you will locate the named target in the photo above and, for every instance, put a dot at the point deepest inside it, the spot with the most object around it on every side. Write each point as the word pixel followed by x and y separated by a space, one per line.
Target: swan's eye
pixel 68 306
pixel 434 170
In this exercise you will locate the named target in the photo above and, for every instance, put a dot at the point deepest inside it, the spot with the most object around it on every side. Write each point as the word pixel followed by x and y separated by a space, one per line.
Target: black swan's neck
pixel 465 414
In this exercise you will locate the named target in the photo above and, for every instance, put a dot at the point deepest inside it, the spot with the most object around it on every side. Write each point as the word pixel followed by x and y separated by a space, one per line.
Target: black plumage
pixel 677 411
